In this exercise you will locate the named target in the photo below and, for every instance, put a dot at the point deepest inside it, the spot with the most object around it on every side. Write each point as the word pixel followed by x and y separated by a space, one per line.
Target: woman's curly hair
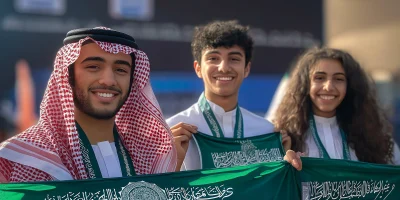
pixel 368 130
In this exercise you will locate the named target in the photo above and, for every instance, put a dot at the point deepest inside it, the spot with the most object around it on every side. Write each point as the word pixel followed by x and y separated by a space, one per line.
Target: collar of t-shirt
pixel 226 120
pixel 107 159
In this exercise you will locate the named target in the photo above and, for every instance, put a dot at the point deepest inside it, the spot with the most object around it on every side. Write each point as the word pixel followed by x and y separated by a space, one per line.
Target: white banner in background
pixel 48 7
pixel 131 9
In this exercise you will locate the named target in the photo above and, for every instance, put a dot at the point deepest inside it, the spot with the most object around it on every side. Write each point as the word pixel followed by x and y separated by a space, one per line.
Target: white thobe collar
pixel 324 120
pixel 218 110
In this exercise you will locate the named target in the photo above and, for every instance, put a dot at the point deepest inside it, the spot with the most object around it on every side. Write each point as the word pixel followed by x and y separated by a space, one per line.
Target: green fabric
pixel 124 158
pixel 89 158
pixel 258 181
pixel 228 152
pixel 320 179
pixel 331 179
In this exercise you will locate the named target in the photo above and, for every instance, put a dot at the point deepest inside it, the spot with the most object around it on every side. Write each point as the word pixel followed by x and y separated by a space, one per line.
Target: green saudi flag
pixel 258 181
pixel 320 179
pixel 330 179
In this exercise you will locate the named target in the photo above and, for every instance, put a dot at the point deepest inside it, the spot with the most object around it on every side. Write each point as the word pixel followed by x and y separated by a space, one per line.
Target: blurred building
pixel 370 31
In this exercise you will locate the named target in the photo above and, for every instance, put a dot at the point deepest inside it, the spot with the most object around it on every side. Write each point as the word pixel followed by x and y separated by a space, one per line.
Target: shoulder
pixel 15 172
pixel 255 122
pixel 189 116
pixel 36 136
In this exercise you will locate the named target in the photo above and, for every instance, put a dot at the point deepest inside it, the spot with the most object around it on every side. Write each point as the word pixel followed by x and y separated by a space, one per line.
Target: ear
pixel 197 68
pixel 247 70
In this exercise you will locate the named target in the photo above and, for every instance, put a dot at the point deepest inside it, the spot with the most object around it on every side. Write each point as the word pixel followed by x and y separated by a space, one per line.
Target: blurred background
pixel 32 31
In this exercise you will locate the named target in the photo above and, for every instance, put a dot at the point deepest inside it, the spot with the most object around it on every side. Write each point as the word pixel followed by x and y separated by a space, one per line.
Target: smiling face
pixel 102 81
pixel 327 87
pixel 222 70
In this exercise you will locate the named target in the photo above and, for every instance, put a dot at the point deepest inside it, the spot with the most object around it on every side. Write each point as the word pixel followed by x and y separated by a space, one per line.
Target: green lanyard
pixel 89 158
pixel 321 148
pixel 213 123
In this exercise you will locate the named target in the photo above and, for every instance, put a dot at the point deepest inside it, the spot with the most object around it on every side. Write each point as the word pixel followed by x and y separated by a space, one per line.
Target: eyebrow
pixel 93 59
pixel 230 53
pixel 96 58
pixel 235 53
pixel 122 62
pixel 337 73
pixel 213 51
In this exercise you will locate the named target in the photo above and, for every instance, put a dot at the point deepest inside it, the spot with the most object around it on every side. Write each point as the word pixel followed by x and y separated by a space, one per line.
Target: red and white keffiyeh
pixel 50 150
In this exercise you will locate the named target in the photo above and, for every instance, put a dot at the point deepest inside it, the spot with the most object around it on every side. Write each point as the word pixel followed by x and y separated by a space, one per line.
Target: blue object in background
pixel 255 94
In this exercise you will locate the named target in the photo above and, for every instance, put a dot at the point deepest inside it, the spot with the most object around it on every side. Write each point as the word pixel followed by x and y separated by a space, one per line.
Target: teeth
pixel 326 97
pixel 224 78
pixel 105 94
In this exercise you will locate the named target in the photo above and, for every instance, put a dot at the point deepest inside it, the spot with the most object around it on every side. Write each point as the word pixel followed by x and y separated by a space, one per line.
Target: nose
pixel 328 85
pixel 224 67
pixel 108 77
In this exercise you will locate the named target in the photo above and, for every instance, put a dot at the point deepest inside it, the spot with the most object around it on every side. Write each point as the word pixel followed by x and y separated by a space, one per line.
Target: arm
pixel 182 134
pixel 286 140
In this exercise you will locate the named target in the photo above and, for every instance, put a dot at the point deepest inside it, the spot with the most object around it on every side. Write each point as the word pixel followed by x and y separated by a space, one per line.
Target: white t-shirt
pixel 329 133
pixel 107 159
pixel 253 125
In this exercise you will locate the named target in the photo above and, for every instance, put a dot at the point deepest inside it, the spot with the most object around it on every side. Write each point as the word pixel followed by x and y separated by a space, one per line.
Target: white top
pixel 329 133
pixel 107 159
pixel 253 125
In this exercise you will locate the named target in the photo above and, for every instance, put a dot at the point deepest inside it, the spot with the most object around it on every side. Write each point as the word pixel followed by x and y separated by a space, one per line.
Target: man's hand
pixel 294 159
pixel 182 134
pixel 286 140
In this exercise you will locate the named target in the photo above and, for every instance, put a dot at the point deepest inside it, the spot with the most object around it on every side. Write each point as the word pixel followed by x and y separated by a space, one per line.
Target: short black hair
pixel 221 34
